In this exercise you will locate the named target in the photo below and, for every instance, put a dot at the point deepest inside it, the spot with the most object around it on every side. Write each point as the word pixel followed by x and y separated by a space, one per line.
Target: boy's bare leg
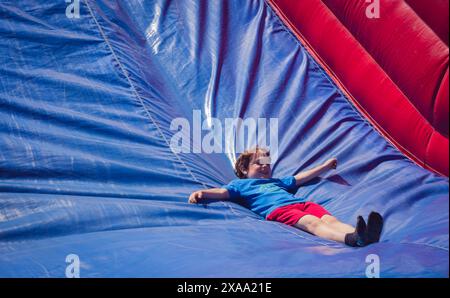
pixel 318 227
pixel 335 223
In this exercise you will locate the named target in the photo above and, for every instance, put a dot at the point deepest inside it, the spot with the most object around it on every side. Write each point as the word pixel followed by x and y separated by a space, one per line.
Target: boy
pixel 274 199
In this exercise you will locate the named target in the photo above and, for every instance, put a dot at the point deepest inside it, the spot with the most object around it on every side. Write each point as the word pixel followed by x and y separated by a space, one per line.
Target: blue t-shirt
pixel 262 196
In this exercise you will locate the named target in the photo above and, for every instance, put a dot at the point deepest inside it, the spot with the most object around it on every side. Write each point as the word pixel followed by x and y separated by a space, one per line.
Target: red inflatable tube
pixel 370 88
pixel 407 49
pixel 436 15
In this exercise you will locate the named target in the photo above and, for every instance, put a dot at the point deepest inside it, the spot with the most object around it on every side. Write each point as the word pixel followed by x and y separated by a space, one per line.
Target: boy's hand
pixel 331 163
pixel 195 197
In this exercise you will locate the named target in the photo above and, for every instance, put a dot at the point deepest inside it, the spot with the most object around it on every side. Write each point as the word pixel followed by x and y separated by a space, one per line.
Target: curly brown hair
pixel 242 163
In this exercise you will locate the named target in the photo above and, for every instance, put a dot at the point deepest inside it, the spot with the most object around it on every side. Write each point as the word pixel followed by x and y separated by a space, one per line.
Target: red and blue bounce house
pixel 89 89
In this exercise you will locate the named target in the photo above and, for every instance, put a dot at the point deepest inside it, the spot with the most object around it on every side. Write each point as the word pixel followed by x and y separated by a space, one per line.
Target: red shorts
pixel 291 214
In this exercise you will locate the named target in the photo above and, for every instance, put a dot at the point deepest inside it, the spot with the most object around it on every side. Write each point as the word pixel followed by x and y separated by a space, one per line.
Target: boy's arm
pixel 212 194
pixel 305 176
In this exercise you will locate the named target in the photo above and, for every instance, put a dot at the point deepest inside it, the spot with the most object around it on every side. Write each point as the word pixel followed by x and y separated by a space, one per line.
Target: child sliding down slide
pixel 274 199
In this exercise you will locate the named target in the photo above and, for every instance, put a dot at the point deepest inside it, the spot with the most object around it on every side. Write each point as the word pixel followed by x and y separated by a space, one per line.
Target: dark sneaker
pixel 374 227
pixel 359 237
pixel 361 228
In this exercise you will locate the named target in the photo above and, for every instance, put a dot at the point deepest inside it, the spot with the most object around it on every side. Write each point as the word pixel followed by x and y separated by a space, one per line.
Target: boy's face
pixel 259 166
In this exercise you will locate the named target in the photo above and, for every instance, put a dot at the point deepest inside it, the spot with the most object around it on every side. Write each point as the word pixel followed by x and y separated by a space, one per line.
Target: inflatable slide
pixel 113 112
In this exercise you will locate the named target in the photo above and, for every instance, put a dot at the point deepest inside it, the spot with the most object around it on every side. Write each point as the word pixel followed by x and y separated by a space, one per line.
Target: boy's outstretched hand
pixel 331 163
pixel 305 176
pixel 195 196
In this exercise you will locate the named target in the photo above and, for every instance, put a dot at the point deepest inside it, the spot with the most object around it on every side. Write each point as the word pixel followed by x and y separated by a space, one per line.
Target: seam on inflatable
pixel 424 244
pixel 436 92
pixel 425 159
pixel 333 79
pixel 136 94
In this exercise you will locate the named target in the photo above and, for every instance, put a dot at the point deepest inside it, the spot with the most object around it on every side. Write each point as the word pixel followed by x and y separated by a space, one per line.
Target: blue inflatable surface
pixel 87 166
